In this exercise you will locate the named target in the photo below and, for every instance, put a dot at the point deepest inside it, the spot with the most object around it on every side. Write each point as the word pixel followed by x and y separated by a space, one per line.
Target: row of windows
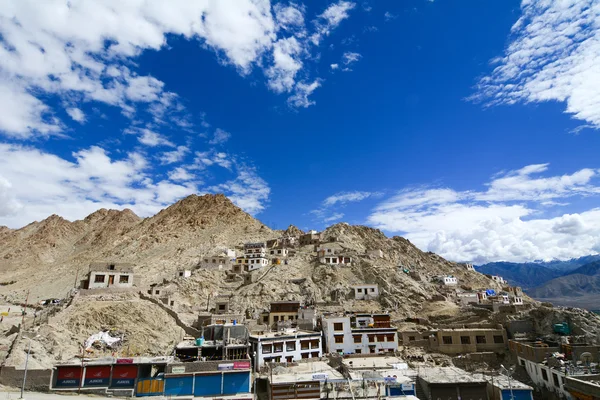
pixel 498 339
pixel 216 260
pixel 102 279
pixel 314 354
pixel 290 346
pixel 373 338
pixel 533 369
pixel 360 290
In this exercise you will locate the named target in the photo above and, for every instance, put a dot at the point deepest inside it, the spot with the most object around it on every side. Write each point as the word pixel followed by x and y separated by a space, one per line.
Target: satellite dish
pixel 586 358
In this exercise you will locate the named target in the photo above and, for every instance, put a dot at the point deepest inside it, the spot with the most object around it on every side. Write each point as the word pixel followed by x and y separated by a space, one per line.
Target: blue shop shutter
pixel 207 385
pixel 236 383
pixel 178 386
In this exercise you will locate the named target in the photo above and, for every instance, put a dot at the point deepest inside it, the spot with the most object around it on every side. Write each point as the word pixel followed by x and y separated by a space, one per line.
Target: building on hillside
pixel 311 380
pixel 468 340
pixel 218 342
pixel 468 267
pixel 450 280
pixel 385 374
pixel 281 253
pixel 184 273
pixel 206 319
pixel 503 387
pixel 365 291
pixel 307 318
pixel 287 345
pixel 310 238
pixel 337 259
pixel 255 257
pixel 466 298
pixel 498 279
pixel 109 275
pixel 281 311
pixel 360 334
pixel 221 261
pixel 452 383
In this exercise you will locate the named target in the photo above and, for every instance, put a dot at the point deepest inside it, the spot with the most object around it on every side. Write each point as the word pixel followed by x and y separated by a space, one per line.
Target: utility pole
pixel 24 311
pixel 25 373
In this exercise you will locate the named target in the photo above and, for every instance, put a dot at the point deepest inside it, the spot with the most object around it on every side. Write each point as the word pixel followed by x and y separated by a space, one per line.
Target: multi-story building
pixel 285 346
pixel 255 257
pixel 335 259
pixel 310 238
pixel 458 340
pixel 281 311
pixel 360 334
pixel 221 261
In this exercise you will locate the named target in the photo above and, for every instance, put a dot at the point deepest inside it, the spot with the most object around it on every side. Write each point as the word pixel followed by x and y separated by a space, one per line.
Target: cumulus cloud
pixel 303 91
pixel 330 19
pixel 504 222
pixel 35 184
pixel 220 136
pixel 76 114
pixel 553 55
pixel 170 157
pixel 84 51
pixel 334 66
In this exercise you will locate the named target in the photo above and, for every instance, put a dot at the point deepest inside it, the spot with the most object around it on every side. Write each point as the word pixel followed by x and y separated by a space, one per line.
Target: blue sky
pixel 468 127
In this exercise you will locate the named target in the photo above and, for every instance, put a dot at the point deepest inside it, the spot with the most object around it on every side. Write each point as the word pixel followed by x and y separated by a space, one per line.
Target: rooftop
pixel 441 375
pixel 303 372
pixel 111 266
pixel 502 382
pixel 386 362
pixel 287 333
pixel 380 375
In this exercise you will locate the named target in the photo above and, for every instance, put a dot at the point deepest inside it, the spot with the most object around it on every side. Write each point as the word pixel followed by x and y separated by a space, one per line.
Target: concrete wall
pixel 37 379
pixel 457 346
pixel 579 385
pixel 362 292
pixel 106 283
pixel 528 351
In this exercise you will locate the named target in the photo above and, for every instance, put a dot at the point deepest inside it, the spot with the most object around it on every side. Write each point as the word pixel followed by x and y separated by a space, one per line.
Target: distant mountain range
pixel 574 283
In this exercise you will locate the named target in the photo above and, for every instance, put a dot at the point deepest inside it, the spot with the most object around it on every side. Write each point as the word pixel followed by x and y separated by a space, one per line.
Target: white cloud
pixel 503 222
pixel 334 217
pixel 76 114
pixel 330 19
pixel 220 136
pixel 78 50
pixel 153 139
pixel 350 57
pixel 180 174
pixel 334 66
pixel 389 16
pixel 553 55
pixel 208 158
pixel 348 197
pixel 36 184
pixel 247 191
pixel 170 157
pixel 303 91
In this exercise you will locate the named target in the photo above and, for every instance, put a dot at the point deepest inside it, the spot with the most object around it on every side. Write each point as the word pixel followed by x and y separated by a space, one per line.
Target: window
pixel 555 378
pixel 339 338
pixel 314 344
pixel 157 292
pixel 371 338
pixel 214 261
pixel 358 351
pixel 304 355
pixel 221 307
pixel 480 339
pixel 411 339
pixel 289 359
pixel 172 303
pixel 380 338
pixel 99 278
pixel 359 290
pixel 276 318
pixel 498 339
pixel 372 349
pixel 357 338
pixel 390 337
pixel 278 347
pixel 372 290
pixel 111 267
pixel 290 346
pixel 314 354
pixel 465 340
pixel 544 374
pixel 447 339
pixel 522 363
pixel 338 326
pixel 267 348
pixel 304 344
pixel 124 279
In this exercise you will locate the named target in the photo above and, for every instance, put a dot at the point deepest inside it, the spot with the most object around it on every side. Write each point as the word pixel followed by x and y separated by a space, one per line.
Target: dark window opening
pixel 480 339
pixel 498 339
pixel 465 340
pixel 447 339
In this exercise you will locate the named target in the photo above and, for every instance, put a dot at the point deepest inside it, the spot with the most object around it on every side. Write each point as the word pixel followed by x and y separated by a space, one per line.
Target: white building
pixel 109 275
pixel 282 253
pixel 450 280
pixel 360 334
pixel 286 346
pixel 255 250
pixel 251 264
pixel 185 273
pixel 498 279
pixel 467 298
pixel 335 259
pixel 365 292
pixel 517 300
pixel 543 376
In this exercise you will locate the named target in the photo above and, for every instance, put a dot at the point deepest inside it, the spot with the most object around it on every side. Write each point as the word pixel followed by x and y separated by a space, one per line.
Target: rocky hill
pixel 47 259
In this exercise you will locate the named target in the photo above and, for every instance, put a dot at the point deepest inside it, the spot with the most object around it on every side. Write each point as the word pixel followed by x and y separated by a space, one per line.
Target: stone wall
pixel 37 379
pixel 188 329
